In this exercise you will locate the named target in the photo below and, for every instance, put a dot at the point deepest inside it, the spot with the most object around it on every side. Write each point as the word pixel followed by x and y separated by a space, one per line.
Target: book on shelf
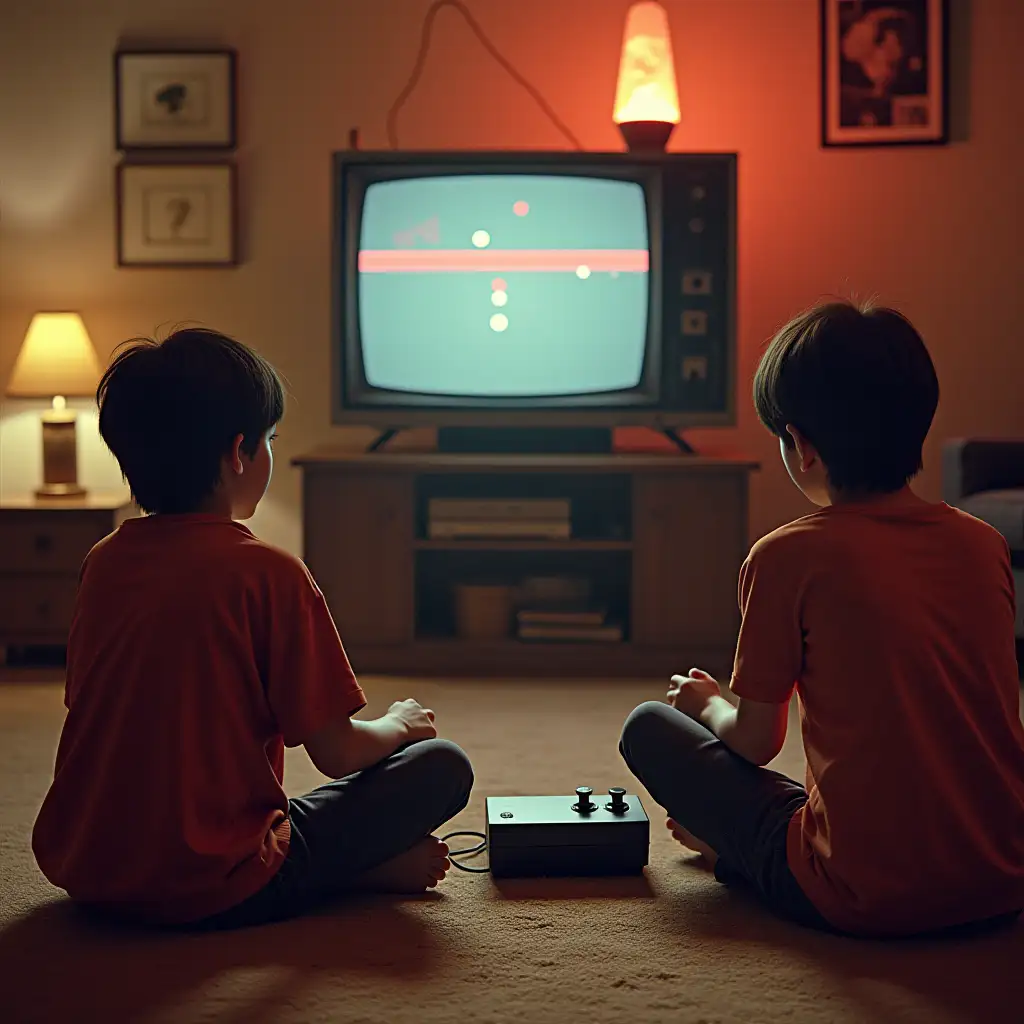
pixel 609 632
pixel 499 529
pixel 556 591
pixel 556 616
pixel 486 509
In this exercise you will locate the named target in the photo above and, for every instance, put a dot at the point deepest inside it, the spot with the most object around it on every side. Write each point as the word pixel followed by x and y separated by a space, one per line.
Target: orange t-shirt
pixel 196 654
pixel 896 628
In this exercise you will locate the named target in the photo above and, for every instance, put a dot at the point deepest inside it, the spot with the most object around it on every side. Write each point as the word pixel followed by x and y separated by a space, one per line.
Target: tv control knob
pixel 583 804
pixel 618 804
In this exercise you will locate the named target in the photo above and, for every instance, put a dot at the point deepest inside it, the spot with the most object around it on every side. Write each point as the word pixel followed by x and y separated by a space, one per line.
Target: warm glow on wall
pixel 646 100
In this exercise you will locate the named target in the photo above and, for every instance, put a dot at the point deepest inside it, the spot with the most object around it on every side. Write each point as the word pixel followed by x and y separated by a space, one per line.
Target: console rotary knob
pixel 618 804
pixel 583 804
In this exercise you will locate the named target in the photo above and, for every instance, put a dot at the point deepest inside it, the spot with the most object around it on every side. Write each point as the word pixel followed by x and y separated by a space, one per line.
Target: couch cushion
pixel 1002 509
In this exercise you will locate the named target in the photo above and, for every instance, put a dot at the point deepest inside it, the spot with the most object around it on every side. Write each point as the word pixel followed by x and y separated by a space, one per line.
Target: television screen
pixel 521 290
pixel 488 286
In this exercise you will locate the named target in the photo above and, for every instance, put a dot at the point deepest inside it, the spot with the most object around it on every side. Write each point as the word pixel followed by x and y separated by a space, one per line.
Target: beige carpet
pixel 676 947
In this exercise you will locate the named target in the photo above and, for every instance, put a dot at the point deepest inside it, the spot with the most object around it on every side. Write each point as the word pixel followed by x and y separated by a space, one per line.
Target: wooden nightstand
pixel 42 546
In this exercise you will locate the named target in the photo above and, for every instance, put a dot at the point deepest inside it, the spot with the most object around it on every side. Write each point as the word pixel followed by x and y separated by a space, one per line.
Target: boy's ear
pixel 806 452
pixel 235 455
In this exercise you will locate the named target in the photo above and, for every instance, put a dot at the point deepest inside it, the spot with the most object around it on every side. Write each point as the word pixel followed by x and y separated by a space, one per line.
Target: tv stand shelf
pixel 664 533
pixel 522 545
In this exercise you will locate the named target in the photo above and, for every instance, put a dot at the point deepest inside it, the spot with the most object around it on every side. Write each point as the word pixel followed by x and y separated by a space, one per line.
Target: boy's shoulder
pixel 228 550
pixel 784 541
pixel 977 529
pixel 813 535
pixel 270 560
pixel 247 558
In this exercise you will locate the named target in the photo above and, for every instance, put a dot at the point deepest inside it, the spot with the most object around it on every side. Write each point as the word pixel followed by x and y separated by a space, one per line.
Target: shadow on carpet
pixel 67 966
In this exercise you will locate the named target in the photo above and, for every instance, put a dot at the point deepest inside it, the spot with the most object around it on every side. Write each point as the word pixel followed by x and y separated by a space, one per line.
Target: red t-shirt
pixel 896 628
pixel 196 654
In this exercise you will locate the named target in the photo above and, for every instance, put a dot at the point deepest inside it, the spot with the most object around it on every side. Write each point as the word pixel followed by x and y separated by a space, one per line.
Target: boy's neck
pixel 903 498
pixel 218 504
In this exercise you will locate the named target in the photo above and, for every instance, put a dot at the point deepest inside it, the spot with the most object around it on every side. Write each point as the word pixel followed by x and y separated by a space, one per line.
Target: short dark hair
pixel 170 410
pixel 858 383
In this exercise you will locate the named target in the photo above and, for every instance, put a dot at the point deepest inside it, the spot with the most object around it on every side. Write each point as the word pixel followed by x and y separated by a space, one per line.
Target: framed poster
pixel 174 99
pixel 176 215
pixel 884 72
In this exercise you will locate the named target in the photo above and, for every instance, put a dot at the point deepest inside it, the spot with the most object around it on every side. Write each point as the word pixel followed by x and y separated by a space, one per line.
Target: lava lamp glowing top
pixel 647 74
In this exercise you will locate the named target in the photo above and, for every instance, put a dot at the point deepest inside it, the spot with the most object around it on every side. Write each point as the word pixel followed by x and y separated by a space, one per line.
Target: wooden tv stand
pixel 663 534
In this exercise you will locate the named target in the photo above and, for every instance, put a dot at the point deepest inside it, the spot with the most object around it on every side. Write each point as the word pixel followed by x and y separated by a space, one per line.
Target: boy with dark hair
pixel 197 653
pixel 892 618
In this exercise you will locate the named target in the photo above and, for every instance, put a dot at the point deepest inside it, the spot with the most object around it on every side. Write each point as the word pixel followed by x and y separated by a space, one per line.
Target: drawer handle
pixel 43 543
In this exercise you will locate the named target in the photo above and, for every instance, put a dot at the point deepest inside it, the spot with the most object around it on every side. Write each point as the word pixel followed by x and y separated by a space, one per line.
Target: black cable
pixel 421 59
pixel 470 851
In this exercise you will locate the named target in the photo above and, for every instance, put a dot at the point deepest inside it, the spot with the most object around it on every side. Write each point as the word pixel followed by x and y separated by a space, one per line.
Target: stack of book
pixel 584 625
pixel 499 518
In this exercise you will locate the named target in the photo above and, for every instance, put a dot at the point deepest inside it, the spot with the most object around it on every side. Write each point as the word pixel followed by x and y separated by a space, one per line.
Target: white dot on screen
pixel 583 272
pixel 481 239
pixel 614 273
pixel 499 298
pixel 499 322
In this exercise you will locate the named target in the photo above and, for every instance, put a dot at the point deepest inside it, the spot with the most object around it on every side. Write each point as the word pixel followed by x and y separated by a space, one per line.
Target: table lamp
pixel 646 100
pixel 57 361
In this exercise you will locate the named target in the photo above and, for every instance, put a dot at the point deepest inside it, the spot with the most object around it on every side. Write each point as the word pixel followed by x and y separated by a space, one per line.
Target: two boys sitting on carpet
pixel 891 617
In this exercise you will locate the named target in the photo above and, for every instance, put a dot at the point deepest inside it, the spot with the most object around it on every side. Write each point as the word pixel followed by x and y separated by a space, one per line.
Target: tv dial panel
pixel 698 299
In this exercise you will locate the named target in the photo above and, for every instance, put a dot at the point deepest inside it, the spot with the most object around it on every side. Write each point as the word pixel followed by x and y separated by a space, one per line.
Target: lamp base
pixel 60 456
pixel 61 491
pixel 646 136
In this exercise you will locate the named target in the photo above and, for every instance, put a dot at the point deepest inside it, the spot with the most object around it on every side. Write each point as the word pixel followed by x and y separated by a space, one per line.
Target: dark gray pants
pixel 740 810
pixel 349 826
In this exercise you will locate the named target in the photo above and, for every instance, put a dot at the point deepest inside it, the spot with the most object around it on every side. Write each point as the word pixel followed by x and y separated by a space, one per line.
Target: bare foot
pixel 418 869
pixel 691 842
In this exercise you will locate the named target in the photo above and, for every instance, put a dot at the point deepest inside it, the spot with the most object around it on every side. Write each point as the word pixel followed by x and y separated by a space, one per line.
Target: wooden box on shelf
pixel 42 545
pixel 667 559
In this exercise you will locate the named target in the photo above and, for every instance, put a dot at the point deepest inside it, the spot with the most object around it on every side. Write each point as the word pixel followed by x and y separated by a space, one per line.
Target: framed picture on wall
pixel 174 99
pixel 176 215
pixel 884 72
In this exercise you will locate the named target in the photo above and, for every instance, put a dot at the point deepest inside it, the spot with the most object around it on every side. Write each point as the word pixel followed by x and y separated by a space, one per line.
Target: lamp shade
pixel 646 93
pixel 56 358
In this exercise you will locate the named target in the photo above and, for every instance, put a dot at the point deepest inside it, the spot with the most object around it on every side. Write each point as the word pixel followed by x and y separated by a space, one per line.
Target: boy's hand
pixel 691 693
pixel 417 721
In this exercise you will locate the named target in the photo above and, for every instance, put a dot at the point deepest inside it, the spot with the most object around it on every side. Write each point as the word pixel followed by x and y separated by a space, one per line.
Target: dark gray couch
pixel 986 478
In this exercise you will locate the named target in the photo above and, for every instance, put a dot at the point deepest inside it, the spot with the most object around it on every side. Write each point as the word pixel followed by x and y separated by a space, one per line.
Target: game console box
pixel 531 836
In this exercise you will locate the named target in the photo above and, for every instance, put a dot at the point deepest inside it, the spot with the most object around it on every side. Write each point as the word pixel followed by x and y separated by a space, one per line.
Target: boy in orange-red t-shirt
pixel 893 619
pixel 197 653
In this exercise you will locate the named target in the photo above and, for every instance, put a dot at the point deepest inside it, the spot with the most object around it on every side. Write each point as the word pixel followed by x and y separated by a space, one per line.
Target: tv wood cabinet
pixel 664 535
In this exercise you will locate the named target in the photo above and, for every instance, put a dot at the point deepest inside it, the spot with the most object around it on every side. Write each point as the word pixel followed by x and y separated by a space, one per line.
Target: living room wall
pixel 933 230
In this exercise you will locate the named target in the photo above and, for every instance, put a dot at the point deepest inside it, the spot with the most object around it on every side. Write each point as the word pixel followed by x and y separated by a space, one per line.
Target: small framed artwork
pixel 174 99
pixel 884 72
pixel 176 215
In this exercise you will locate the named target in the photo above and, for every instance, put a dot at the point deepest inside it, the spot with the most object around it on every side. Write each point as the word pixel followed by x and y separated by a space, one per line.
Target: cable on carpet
pixel 421 59
pixel 469 851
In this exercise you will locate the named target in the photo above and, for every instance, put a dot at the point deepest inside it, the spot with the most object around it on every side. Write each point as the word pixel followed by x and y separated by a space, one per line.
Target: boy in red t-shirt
pixel 893 619
pixel 197 653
